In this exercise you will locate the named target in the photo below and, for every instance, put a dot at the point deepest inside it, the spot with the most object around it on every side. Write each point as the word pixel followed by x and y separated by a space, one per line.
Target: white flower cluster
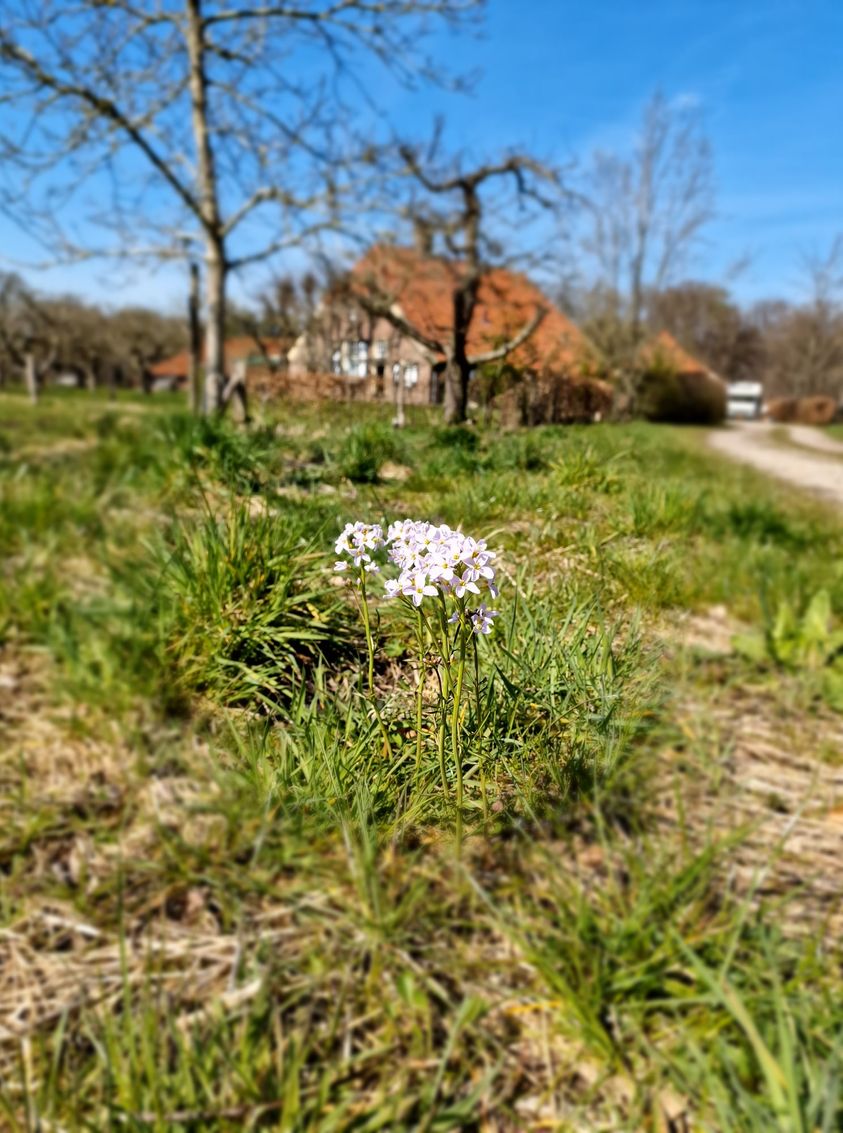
pixel 433 561
pixel 356 541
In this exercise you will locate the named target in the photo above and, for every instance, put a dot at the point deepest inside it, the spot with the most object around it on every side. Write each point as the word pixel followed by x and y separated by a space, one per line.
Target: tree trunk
pixel 458 369
pixel 451 401
pixel 31 378
pixel 457 377
pixel 215 330
pixel 208 190
pixel 194 374
pixel 235 393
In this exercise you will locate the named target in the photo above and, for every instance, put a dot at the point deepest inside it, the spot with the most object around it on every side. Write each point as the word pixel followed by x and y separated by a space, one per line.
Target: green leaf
pixel 815 631
pixel 752 646
pixel 784 634
pixel 832 686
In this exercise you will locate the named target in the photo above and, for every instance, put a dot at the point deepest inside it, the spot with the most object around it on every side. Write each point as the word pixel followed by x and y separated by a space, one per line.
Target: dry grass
pixel 189 943
pixel 59 971
pixel 751 770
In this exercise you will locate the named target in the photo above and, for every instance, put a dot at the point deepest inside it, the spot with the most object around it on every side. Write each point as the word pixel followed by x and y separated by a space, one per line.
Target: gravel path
pixel 755 444
pixel 808 437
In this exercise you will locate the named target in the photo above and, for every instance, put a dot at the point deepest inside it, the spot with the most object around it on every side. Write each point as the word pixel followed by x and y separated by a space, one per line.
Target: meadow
pixel 232 893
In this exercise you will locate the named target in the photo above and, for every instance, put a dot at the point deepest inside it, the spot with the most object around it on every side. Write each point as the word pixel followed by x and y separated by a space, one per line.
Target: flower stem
pixel 370 645
pixel 443 721
pixel 419 690
pixel 456 748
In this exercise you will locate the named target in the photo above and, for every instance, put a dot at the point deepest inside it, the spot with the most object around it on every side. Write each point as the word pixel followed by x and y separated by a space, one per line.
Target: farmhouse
pixel 264 359
pixel 369 355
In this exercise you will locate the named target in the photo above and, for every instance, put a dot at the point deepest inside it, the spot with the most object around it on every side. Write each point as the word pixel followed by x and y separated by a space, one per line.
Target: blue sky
pixel 563 78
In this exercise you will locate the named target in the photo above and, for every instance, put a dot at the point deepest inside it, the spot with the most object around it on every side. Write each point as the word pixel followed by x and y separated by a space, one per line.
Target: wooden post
pixel 194 383
pixel 235 393
pixel 399 419
pixel 31 378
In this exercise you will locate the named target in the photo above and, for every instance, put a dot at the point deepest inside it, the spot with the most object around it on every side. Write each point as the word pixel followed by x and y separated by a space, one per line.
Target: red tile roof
pixel 422 287
pixel 236 350
pixel 664 346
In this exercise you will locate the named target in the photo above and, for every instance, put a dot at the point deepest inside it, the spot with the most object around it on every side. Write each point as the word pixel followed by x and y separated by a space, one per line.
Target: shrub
pixel 806 642
pixel 251 613
pixel 364 451
pixel 584 467
pixel 107 425
pixel 555 399
pixel 240 459
pixel 759 521
pixel 679 397
pixel 457 436
pixel 523 451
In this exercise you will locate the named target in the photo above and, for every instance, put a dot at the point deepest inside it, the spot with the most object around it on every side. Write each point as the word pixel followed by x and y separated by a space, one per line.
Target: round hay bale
pixel 818 410
pixel 782 410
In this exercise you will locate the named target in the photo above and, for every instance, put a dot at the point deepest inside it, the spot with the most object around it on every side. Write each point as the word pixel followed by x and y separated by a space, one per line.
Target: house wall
pixel 368 371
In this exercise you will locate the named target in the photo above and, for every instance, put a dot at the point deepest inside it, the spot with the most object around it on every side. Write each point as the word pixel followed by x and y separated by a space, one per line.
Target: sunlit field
pixel 251 881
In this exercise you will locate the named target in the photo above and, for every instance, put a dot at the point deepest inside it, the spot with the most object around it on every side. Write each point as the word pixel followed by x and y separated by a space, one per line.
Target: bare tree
pixel 458 213
pixel 29 335
pixel 280 314
pixel 44 335
pixel 707 322
pixel 200 123
pixel 644 213
pixel 804 343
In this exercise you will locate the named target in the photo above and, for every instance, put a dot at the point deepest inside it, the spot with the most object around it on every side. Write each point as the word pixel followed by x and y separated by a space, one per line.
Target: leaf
pixel 832 685
pixel 784 634
pixel 817 618
pixel 513 690
pixel 410 992
pixel 774 1076
pixel 815 631
pixel 752 646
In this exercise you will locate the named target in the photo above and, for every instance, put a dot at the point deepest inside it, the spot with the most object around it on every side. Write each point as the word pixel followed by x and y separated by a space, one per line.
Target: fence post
pixel 31 378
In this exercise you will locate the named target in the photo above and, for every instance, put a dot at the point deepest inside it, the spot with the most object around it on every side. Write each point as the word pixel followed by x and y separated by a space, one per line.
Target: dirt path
pixel 750 765
pixel 809 437
pixel 756 444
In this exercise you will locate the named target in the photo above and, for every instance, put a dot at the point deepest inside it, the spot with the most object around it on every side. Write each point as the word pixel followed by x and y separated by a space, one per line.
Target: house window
pixel 336 361
pixel 411 375
pixel 380 349
pixel 354 358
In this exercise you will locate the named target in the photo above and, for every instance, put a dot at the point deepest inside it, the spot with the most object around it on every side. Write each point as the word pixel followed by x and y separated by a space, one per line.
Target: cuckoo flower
pixel 444 578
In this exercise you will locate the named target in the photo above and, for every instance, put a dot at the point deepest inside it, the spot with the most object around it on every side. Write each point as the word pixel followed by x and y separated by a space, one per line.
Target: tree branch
pixel 104 107
pixel 383 308
pixel 384 8
pixel 501 352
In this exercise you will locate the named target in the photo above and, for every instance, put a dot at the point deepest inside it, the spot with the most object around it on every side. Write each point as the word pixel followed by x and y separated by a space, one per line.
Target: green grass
pixel 235 904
